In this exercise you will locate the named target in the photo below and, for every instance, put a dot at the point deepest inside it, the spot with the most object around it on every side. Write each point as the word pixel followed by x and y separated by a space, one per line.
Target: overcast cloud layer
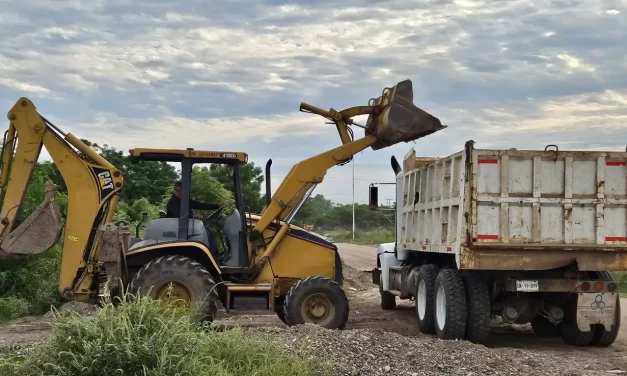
pixel 231 75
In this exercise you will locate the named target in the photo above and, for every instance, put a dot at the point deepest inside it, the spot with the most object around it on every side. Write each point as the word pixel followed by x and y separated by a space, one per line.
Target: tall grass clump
pixel 141 337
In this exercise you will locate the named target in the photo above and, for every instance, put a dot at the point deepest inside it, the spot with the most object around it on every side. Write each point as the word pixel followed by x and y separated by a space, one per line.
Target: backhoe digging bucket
pixel 397 118
pixel 39 232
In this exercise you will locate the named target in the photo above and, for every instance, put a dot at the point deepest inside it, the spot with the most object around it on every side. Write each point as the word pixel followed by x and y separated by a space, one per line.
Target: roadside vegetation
pixel 622 281
pixel 373 237
pixel 142 337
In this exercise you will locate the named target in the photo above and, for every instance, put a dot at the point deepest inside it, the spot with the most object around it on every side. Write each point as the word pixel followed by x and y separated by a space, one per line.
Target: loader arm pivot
pixel 93 186
pixel 392 118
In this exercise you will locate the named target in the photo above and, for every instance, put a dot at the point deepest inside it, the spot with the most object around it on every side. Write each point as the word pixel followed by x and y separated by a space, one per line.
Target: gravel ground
pixel 380 342
pixel 377 352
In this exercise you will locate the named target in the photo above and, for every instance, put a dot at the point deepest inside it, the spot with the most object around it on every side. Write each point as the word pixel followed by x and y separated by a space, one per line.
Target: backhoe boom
pixel 93 186
pixel 392 118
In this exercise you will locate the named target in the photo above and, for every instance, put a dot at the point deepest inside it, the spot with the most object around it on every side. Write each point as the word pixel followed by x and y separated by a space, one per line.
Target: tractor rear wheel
pixel 317 300
pixel 178 282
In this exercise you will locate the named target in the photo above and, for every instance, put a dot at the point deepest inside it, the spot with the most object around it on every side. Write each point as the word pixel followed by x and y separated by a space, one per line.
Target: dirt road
pixel 360 257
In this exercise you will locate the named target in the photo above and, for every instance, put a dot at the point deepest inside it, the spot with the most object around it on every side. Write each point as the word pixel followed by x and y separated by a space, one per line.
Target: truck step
pixel 395 292
pixel 238 287
pixel 241 291
pixel 399 268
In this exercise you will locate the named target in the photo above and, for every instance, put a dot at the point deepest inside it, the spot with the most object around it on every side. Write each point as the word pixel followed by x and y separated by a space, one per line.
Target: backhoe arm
pixel 392 118
pixel 93 186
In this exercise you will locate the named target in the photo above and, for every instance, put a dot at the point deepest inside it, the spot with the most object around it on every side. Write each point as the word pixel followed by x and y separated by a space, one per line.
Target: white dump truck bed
pixel 518 209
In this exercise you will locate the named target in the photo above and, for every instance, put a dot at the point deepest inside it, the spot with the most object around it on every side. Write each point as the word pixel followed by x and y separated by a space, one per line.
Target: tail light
pixel 598 287
pixel 585 286
pixel 611 287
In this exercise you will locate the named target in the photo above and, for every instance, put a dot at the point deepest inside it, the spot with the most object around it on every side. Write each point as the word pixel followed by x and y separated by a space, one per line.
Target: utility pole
pixel 353 163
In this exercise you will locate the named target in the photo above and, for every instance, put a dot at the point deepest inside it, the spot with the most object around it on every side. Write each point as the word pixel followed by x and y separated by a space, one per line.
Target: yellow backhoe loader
pixel 298 272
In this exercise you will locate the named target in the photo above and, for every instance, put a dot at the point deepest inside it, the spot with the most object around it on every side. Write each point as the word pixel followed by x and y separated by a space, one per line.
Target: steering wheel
pixel 215 213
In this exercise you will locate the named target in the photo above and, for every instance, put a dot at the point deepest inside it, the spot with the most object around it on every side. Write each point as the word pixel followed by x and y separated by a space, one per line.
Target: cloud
pixel 181 132
pixel 231 75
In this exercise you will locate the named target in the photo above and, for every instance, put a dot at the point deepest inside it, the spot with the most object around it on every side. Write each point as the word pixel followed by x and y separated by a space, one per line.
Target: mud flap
pixel 39 232
pixel 400 120
pixel 596 308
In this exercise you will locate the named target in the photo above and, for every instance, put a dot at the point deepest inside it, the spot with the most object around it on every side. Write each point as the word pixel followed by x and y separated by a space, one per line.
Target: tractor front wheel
pixel 317 300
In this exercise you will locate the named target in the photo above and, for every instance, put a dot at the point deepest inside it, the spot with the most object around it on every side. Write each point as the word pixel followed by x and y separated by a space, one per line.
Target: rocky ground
pixel 379 352
pixel 378 342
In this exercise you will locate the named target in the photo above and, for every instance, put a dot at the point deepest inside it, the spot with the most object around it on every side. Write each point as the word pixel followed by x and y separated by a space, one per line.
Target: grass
pixel 364 237
pixel 141 337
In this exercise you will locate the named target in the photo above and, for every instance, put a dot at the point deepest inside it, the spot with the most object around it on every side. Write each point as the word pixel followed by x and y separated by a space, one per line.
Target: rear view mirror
pixel 396 118
pixel 373 197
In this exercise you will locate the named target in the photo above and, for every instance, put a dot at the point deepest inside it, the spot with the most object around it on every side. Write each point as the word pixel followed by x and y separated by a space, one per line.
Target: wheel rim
pixel 440 304
pixel 317 309
pixel 422 299
pixel 174 295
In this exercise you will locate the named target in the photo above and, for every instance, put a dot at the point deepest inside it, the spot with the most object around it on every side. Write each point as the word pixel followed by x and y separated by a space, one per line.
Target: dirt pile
pixel 356 280
pixel 84 309
pixel 376 352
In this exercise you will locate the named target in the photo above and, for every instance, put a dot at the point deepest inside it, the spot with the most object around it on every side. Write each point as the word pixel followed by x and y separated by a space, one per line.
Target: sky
pixel 230 75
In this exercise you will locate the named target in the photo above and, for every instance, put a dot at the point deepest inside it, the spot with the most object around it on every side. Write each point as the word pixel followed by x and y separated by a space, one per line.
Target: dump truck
pixel 297 272
pixel 527 236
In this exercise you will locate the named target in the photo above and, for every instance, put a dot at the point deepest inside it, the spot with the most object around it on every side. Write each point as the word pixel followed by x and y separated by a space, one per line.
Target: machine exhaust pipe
pixel 268 183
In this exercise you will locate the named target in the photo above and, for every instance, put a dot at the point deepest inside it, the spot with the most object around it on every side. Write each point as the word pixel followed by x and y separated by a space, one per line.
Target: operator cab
pixel 230 236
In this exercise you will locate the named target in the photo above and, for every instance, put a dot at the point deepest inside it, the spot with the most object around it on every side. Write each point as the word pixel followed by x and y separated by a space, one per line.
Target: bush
pixel 30 285
pixel 12 308
pixel 143 338
pixel 621 278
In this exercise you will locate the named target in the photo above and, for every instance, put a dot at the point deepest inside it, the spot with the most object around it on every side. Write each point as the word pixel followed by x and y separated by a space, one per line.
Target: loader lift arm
pixel 392 118
pixel 93 186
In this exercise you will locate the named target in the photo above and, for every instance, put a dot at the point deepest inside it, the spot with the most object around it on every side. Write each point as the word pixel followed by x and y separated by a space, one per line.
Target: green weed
pixel 141 337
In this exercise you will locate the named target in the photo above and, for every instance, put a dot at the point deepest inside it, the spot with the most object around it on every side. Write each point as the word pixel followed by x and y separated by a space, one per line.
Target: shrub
pixel 143 338
pixel 12 308
pixel 621 278
pixel 30 285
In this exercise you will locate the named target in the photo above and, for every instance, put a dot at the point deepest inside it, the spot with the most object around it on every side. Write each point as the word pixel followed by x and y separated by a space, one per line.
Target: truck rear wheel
pixel 571 334
pixel 603 338
pixel 450 305
pixel 425 295
pixel 179 282
pixel 542 327
pixel 317 300
pixel 479 308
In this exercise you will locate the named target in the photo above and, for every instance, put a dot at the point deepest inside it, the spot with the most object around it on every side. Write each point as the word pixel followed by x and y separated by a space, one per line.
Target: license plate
pixel 527 286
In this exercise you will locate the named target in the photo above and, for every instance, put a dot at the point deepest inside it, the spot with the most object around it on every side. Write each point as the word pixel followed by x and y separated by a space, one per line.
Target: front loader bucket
pixel 398 119
pixel 39 232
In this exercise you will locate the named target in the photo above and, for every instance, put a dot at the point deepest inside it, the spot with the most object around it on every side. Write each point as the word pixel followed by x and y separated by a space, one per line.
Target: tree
pixel 142 179
pixel 313 211
pixel 251 179
pixel 206 188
